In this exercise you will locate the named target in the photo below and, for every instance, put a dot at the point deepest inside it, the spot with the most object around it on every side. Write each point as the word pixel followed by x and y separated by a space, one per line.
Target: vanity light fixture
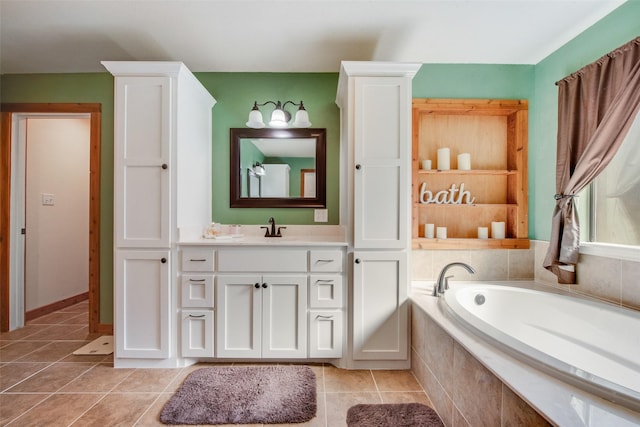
pixel 279 117
pixel 258 169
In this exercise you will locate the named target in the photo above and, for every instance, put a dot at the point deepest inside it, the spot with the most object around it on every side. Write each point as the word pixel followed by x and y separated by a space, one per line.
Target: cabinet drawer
pixel 263 261
pixel 325 261
pixel 325 291
pixel 198 259
pixel 197 291
pixel 325 333
pixel 197 333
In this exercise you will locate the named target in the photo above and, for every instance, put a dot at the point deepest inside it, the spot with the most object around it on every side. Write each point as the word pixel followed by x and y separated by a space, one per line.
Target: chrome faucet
pixel 271 230
pixel 443 281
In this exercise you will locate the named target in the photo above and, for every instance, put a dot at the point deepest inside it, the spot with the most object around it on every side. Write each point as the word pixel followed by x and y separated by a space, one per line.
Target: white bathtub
pixel 590 344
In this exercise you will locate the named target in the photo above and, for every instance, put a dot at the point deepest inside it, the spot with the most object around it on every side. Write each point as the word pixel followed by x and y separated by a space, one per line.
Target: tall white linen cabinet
pixel 375 110
pixel 162 181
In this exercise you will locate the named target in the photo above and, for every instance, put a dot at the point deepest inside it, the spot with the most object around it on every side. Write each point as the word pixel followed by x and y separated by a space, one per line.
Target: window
pixel 614 196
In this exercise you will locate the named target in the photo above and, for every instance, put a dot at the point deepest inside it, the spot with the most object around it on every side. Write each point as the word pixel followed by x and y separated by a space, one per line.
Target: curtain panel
pixel 596 107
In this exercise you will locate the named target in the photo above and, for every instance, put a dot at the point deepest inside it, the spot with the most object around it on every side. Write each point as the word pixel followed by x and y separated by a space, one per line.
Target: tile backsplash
pixel 614 280
pixel 497 264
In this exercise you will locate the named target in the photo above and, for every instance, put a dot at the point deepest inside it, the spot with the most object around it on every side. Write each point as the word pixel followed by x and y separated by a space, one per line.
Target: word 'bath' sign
pixel 453 196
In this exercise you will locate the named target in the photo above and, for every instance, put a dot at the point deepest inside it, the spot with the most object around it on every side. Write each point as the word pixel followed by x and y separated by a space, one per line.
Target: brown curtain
pixel 596 107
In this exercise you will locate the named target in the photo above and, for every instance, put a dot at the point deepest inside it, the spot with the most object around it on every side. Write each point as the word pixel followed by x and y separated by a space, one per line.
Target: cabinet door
pixel 284 316
pixel 197 333
pixel 380 312
pixel 382 144
pixel 142 304
pixel 238 308
pixel 142 161
pixel 325 333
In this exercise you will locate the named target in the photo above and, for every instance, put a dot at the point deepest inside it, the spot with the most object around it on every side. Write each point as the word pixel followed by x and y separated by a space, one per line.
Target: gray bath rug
pixel 393 415
pixel 244 395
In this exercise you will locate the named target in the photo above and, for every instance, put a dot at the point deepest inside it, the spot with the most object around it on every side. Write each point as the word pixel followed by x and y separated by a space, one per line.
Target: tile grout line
pixel 375 383
pixel 104 396
pixel 164 391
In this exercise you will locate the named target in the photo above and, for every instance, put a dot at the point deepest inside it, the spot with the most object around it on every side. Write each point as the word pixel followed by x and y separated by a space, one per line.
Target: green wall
pixel 617 28
pixel 236 92
pixel 82 88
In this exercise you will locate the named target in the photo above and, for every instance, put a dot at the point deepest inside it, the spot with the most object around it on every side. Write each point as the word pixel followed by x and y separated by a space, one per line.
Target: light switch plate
pixel 321 215
pixel 48 199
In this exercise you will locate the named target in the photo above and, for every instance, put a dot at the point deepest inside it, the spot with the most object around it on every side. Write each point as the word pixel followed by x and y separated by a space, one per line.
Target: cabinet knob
pixel 163 260
pixel 358 166
pixel 264 285
pixel 164 166
pixel 357 260
pixel 257 286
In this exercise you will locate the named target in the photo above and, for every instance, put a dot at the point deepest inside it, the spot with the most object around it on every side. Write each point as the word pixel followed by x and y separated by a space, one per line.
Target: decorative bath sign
pixel 453 196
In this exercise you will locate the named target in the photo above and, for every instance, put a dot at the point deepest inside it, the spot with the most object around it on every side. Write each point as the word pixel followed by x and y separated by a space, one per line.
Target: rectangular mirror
pixel 277 168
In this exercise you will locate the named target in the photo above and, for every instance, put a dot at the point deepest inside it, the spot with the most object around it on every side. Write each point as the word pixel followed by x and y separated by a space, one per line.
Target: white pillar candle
pixel 428 231
pixel 483 232
pixel 426 165
pixel 464 161
pixel 444 159
pixel 441 232
pixel 497 230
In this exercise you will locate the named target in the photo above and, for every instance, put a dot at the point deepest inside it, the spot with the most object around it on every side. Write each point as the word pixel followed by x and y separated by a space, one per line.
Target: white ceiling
pixel 39 36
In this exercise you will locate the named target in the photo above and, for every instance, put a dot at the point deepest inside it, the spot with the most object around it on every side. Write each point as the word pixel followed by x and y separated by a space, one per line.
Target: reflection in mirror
pixel 278 168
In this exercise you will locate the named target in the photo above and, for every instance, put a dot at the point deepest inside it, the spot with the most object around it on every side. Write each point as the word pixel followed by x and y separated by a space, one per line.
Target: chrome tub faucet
pixel 443 280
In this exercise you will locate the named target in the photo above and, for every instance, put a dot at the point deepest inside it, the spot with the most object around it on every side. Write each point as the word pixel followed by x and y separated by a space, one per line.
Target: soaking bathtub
pixel 593 345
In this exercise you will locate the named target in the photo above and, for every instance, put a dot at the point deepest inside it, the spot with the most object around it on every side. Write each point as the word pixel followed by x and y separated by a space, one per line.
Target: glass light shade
pixel 278 119
pixel 258 169
pixel 302 119
pixel 255 119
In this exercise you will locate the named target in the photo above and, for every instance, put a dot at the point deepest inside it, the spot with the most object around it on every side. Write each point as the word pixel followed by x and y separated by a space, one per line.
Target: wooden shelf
pixel 494 132
pixel 422 243
pixel 465 205
pixel 467 172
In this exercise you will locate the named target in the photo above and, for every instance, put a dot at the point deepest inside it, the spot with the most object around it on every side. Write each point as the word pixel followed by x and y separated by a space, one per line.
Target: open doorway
pixel 13 301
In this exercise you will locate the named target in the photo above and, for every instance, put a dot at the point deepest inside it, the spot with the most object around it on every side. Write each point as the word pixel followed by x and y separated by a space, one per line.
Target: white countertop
pixel 253 235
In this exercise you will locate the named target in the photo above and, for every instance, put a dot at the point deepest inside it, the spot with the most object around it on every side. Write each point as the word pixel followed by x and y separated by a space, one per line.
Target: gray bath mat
pixel 244 395
pixel 392 415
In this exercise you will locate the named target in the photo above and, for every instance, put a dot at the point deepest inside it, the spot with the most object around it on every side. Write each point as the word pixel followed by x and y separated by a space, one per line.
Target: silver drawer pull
pixel 324 281
pixel 199 316
pixel 325 260
pixel 198 260
pixel 196 280
pixel 319 316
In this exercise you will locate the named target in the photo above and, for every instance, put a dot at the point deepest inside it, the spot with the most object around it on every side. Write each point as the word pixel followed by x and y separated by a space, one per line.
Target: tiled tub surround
pixel 472 383
pixel 440 348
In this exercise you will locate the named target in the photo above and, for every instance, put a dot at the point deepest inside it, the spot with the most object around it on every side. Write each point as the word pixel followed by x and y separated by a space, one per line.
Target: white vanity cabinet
pixel 262 316
pixel 162 181
pixel 279 302
pixel 326 296
pixel 197 299
pixel 375 107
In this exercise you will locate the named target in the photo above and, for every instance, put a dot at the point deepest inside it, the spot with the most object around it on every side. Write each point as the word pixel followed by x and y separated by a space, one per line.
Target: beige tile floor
pixel 43 384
